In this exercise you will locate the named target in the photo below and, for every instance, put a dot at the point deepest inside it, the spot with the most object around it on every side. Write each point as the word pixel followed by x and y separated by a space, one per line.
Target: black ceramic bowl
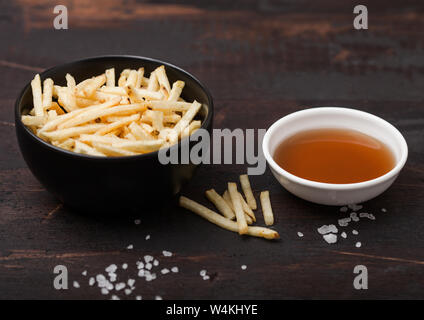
pixel 116 185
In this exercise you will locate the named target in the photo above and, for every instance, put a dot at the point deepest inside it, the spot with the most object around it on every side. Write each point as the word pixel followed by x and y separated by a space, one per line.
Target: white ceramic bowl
pixel 340 118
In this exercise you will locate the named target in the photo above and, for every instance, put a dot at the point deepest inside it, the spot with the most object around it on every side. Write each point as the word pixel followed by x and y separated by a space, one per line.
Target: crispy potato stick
pixel 90 138
pixel 238 209
pixel 91 87
pixel 72 132
pixel 138 132
pixel 223 222
pixel 47 93
pixel 157 120
pixel 144 94
pixel 140 77
pixel 163 81
pixel 266 208
pixel 168 106
pixel 172 118
pixel 37 96
pixel 142 146
pixel 68 144
pixel 85 149
pixel 146 127
pixel 110 77
pixel 55 106
pixel 132 79
pixel 227 198
pixel 33 120
pixel 70 82
pixel 117 124
pixel 51 115
pixel 123 77
pixel 220 204
pixel 153 82
pixel 247 190
pixel 246 208
pixel 112 151
pixel 187 117
pixel 119 91
pixel 177 88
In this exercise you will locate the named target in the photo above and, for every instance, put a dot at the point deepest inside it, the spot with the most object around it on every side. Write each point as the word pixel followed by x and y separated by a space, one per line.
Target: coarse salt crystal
pixel 164 271
pixel 115 297
pixel 355 232
pixel 384 209
pixel 141 273
pixel 166 253
pixel 84 273
pixel 330 238
pixel 147 237
pixel 206 277
pixel 202 272
pixel 155 263
pixel 148 258
pixel 344 235
pixel 344 222
pixel 354 217
pixel 148 266
pixel 76 284
pixel 367 215
pixel 111 269
pixel 174 269
pixel 300 234
pixel 243 267
pixel 140 265
pixel 112 277
pixel 137 221
pixel 125 266
pixel 91 281
pixel 104 291
pixel 358 245
pixel 119 286
pixel 130 247
pixel 130 282
pixel 158 298
pixel 138 298
pixel 128 291
pixel 327 229
pixel 343 209
pixel 355 207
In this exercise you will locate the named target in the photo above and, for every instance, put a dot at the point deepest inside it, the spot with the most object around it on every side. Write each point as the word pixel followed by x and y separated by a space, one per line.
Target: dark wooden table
pixel 261 60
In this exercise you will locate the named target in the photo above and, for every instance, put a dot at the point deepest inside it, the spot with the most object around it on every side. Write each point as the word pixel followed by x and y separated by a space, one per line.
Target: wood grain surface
pixel 261 60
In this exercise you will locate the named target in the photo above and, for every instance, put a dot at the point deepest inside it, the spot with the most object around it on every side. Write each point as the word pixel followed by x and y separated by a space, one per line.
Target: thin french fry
pixel 220 204
pixel 81 147
pixel 247 190
pixel 238 209
pixel 47 93
pixel 153 82
pixel 142 146
pixel 164 86
pixel 72 132
pixel 177 88
pixel 37 96
pixel 117 124
pixel 93 85
pixel 227 198
pixel 223 222
pixel 31 121
pixel 246 208
pixel 110 77
pixel 112 151
pixel 266 208
pixel 140 77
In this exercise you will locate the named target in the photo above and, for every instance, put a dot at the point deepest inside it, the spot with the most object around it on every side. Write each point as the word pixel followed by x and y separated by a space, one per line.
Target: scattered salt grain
pixel 174 269
pixel 155 263
pixel 166 253
pixel 112 277
pixel 91 281
pixel 343 209
pixel 115 297
pixel 300 234
pixel 384 209
pixel 104 291
pixel 355 232
pixel 137 221
pixel 148 258
pixel 158 298
pixel 76 284
pixel 111 269
pixel 330 238
pixel 138 298
pixel 344 222
pixel 164 271
pixel 140 265
pixel 202 273
pixel 354 217
pixel 147 237
pixel 355 207
pixel 367 215
pixel 148 266
pixel 344 235
pixel 206 277
pixel 125 266
pixel 141 273
pixel 327 229
pixel 128 291
pixel 119 286
pixel 358 245
pixel 84 273
pixel 130 247
pixel 243 267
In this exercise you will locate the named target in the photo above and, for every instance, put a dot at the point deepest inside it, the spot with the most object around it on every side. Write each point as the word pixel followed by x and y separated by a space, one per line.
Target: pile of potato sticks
pixel 97 117
pixel 231 205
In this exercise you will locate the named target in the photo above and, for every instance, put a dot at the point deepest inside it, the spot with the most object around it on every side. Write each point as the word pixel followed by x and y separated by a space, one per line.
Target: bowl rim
pixel 335 186
pixel 19 123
